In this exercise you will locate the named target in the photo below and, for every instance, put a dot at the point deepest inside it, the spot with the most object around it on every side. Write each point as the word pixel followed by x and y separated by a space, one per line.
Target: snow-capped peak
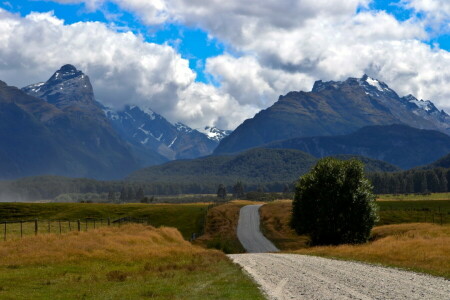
pixel 213 133
pixel 425 105
pixel 149 112
pixel 375 83
pixel 182 128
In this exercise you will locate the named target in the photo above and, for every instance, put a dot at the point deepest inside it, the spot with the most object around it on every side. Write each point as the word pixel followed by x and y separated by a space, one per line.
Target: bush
pixel 334 203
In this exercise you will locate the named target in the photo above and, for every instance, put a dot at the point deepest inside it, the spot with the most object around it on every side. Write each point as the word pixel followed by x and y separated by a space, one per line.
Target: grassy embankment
pixel 131 262
pixel 422 247
pixel 187 218
pixel 220 227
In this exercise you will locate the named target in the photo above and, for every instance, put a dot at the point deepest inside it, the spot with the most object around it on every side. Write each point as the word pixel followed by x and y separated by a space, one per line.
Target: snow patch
pixel 375 83
pixel 171 144
pixel 425 105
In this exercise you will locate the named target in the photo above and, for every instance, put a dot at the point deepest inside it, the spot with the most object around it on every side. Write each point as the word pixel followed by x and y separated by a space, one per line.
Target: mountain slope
pixel 62 131
pixel 400 145
pixel 254 166
pixel 150 131
pixel 333 108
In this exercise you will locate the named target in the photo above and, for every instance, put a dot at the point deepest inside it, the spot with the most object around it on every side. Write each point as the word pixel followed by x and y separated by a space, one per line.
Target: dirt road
pixel 248 231
pixel 292 276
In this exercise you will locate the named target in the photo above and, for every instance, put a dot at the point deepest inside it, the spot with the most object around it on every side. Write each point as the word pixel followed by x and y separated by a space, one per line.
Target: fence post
pixel 59 222
pixel 86 224
pixel 49 226
pixel 70 227
pixel 94 223
pixel 4 234
pixel 35 226
pixel 79 225
pixel 109 221
pixel 21 230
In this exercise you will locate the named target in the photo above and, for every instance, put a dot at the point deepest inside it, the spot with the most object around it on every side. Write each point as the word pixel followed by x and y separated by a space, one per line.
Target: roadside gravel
pixel 292 276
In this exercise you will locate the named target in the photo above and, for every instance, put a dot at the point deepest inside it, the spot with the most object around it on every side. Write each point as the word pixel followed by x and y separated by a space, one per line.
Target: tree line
pixel 412 181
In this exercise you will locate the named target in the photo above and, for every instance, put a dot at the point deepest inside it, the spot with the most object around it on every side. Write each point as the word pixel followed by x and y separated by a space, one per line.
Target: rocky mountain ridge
pixel 334 108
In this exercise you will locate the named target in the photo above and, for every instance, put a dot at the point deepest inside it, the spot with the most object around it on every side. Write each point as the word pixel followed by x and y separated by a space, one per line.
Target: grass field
pixel 414 197
pixel 187 218
pixel 431 211
pixel 420 247
pixel 131 262
pixel 220 228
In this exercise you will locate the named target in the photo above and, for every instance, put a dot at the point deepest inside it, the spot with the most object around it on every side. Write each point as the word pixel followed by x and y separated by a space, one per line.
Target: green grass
pixel 430 211
pixel 134 262
pixel 90 280
pixel 414 197
pixel 187 218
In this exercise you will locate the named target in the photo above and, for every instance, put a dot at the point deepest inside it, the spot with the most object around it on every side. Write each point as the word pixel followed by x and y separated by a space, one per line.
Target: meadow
pixel 187 218
pixel 131 262
pixel 422 247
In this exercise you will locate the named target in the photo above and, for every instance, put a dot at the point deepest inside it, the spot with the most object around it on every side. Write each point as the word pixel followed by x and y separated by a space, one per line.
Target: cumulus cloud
pixel 124 69
pixel 281 46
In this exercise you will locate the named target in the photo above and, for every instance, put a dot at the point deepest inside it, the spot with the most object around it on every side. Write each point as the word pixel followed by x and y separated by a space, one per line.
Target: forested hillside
pixel 271 170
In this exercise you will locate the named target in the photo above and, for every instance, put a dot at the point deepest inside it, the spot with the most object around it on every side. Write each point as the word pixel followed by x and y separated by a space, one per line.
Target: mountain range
pixel 57 127
pixel 400 145
pixel 334 108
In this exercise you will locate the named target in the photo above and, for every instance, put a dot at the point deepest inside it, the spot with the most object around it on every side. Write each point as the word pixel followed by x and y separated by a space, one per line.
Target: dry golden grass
pixel 275 218
pixel 110 243
pixel 417 246
pixel 130 262
pixel 421 247
pixel 221 226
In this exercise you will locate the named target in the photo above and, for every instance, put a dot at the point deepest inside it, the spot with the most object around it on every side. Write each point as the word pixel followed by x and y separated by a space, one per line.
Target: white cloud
pixel 123 68
pixel 436 11
pixel 286 45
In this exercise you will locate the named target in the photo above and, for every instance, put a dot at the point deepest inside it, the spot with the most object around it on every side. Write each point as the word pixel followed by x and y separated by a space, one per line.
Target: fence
pixel 18 229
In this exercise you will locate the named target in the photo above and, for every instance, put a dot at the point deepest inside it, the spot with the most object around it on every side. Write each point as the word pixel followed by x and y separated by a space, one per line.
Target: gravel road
pixel 248 231
pixel 292 276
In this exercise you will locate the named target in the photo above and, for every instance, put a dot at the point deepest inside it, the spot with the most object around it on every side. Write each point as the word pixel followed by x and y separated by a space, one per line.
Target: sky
pixel 217 63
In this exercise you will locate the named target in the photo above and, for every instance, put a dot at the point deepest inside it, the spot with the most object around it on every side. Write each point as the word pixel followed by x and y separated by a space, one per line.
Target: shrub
pixel 334 203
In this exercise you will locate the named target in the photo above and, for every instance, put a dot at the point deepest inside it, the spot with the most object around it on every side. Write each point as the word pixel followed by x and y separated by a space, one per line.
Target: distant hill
pixel 399 145
pixel 333 108
pixel 443 162
pixel 254 166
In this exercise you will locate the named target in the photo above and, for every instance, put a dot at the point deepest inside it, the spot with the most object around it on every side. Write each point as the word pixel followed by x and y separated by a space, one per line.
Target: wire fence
pixel 20 228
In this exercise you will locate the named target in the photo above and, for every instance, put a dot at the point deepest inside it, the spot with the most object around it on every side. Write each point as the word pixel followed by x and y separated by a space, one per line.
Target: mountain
pixel 148 130
pixel 253 167
pixel 214 133
pixel 399 145
pixel 442 162
pixel 333 108
pixel 62 131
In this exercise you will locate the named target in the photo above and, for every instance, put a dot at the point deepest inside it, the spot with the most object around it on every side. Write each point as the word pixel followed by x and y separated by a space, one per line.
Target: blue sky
pixel 192 43
pixel 216 63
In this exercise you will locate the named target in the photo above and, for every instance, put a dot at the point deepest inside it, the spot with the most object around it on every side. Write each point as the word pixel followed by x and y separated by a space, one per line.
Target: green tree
pixel 111 196
pixel 140 194
pixel 221 191
pixel 123 195
pixel 131 195
pixel 238 190
pixel 334 203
